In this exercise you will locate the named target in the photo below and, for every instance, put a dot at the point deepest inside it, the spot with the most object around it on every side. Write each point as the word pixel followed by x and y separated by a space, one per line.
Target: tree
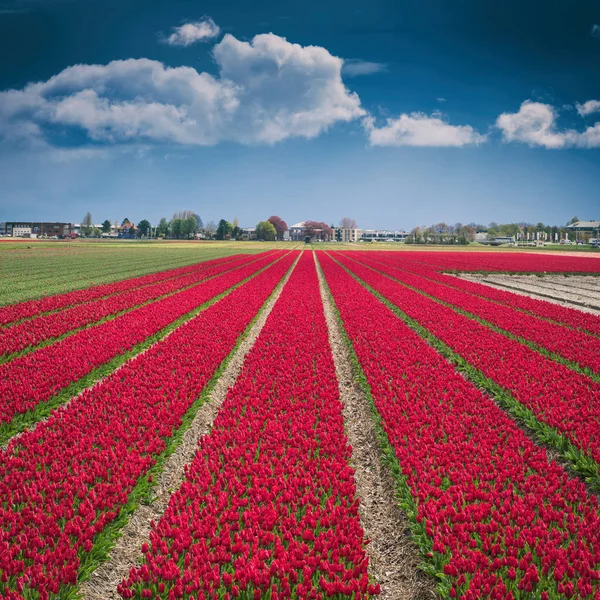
pixel 199 223
pixel 106 226
pixel 87 224
pixel 126 221
pixel 318 228
pixel 211 229
pixel 163 227
pixel 265 230
pixel 143 227
pixel 224 229
pixel 573 220
pixel 175 227
pixel 347 223
pixel 188 226
pixel 279 224
pixel 236 223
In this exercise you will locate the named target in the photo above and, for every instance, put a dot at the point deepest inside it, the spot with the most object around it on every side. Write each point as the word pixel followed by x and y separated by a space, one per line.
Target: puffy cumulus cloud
pixel 354 67
pixel 267 90
pixel 589 107
pixel 418 129
pixel 191 33
pixel 535 124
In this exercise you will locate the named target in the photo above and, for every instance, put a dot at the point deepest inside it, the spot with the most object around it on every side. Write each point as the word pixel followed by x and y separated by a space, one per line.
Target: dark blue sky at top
pixel 483 58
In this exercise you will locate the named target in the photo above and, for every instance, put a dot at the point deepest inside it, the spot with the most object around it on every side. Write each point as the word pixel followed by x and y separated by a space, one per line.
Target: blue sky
pixel 394 113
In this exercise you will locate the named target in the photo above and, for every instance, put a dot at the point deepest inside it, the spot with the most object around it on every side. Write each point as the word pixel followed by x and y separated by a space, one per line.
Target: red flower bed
pixel 558 396
pixel 36 377
pixel 514 262
pixel 64 482
pixel 33 332
pixel 540 308
pixel 31 308
pixel 573 345
pixel 268 507
pixel 500 521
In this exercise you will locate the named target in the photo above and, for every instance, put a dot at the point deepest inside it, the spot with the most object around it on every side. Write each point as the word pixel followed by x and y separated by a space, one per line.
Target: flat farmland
pixel 287 421
pixel 31 268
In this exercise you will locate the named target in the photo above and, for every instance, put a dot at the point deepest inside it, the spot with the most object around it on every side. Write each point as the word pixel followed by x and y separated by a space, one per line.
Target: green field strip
pixel 570 364
pixel 433 562
pixel 491 300
pixel 109 295
pixel 142 491
pixel 21 421
pixel 47 342
pixel 578 462
pixel 27 278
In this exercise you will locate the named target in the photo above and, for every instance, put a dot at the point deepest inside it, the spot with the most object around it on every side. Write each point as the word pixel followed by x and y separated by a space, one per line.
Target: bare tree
pixel 347 223
pixel 87 223
pixel 211 228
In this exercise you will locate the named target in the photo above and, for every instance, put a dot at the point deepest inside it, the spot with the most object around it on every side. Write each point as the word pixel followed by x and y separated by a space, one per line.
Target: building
pixel 248 233
pixel 344 234
pixel 585 227
pixel 37 229
pixel 297 231
pixel 383 235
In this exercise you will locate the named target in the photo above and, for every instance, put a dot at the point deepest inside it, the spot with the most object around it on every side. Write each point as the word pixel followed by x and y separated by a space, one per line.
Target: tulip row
pixel 48 327
pixel 539 308
pixel 268 508
pixel 513 262
pixel 494 517
pixel 563 399
pixel 575 346
pixel 28 383
pixel 68 486
pixel 33 308
pixel 566 401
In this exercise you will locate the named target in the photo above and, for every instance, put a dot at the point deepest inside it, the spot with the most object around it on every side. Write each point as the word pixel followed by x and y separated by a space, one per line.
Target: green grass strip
pixel 576 460
pixel 142 491
pixel 49 341
pixel 42 410
pixel 105 296
pixel 434 562
pixel 570 364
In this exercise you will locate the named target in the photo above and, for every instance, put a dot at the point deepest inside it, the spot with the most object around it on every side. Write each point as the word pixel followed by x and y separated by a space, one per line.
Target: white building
pixel 297 231
pixel 383 235
pixel 348 234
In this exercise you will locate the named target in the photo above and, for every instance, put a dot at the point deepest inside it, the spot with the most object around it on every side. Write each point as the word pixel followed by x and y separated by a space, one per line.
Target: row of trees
pixel 442 233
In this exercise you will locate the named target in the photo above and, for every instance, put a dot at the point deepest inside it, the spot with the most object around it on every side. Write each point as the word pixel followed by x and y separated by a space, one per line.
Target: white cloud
pixel 589 107
pixel 440 99
pixel 595 31
pixel 267 90
pixel 418 129
pixel 354 67
pixel 535 124
pixel 191 33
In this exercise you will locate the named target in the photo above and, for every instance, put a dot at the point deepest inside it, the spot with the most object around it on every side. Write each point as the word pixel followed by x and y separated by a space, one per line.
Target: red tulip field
pixel 201 432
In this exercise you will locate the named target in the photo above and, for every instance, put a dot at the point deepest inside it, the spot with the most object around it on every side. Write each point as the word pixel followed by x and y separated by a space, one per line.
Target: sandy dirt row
pixel 393 556
pixel 127 551
pixel 550 288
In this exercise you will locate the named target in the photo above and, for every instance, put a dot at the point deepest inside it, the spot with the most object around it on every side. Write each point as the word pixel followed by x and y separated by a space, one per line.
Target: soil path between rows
pixel 127 551
pixel 393 557
pixel 542 289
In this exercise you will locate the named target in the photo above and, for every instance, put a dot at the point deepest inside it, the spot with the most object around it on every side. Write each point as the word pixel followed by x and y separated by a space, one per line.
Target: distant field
pixel 31 269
